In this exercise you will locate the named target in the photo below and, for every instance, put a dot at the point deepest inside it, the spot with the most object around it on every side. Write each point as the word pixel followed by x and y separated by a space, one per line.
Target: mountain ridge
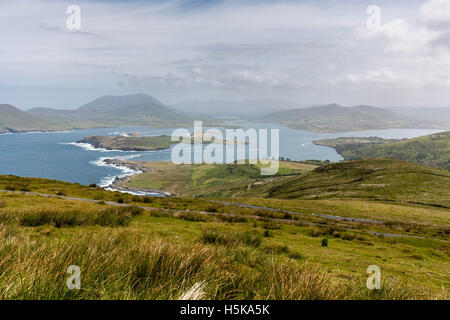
pixel 336 118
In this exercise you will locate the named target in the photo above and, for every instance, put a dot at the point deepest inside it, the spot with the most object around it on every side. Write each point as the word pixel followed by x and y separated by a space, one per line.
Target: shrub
pixel 268 234
pixel 147 200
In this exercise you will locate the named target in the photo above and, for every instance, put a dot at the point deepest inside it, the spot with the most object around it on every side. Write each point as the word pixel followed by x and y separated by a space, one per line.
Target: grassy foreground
pixel 224 251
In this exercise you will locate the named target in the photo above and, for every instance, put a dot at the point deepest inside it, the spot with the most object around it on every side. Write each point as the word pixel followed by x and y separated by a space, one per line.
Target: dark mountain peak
pixel 111 102
pixel 8 107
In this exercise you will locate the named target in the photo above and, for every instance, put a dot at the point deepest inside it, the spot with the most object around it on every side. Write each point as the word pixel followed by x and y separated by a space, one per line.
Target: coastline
pixel 119 182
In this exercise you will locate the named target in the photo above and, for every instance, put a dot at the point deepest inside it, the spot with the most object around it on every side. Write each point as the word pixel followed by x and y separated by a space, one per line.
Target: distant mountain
pixel 432 114
pixel 13 119
pixel 336 118
pixel 136 109
pixel 227 108
pixel 52 113
pixel 110 103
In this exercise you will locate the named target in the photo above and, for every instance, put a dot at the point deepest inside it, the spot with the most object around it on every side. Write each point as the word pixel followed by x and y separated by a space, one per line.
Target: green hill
pixel 370 179
pixel 336 118
pixel 15 120
pixel 136 109
pixel 431 150
pixel 205 180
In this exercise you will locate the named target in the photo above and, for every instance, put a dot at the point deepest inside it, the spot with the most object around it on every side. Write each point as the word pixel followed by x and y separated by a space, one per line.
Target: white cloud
pixel 292 50
pixel 412 54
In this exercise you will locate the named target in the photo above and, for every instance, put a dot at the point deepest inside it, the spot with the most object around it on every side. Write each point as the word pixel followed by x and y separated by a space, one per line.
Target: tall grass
pixel 32 217
pixel 118 264
pixel 231 238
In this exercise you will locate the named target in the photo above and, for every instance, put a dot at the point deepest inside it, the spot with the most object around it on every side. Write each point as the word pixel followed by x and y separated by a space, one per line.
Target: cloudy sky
pixel 308 52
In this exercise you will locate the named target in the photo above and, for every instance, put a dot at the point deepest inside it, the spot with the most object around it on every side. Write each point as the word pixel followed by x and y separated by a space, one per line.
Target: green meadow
pixel 212 247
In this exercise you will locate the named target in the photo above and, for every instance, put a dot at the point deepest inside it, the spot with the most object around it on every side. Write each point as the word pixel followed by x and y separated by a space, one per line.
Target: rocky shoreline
pixel 114 143
pixel 119 183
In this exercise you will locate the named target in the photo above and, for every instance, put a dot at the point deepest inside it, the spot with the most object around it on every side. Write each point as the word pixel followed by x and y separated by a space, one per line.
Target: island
pixel 135 142
pixel 129 143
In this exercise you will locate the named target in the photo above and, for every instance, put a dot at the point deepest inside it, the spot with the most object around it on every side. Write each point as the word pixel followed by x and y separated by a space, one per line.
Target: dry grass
pixel 119 264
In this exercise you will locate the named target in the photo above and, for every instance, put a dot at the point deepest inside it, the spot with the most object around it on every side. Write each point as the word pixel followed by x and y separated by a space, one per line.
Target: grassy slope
pixel 431 150
pixel 161 255
pixel 207 180
pixel 371 179
pixel 18 120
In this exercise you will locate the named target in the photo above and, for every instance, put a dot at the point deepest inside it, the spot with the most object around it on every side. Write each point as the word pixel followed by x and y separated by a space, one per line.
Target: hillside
pixel 16 120
pixel 205 180
pixel 131 247
pixel 370 179
pixel 336 118
pixel 431 150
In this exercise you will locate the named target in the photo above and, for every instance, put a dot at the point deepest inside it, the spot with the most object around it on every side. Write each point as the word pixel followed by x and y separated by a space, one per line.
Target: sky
pixel 307 52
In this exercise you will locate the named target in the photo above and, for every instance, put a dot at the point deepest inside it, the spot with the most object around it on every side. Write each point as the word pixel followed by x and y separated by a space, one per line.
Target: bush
pixel 268 234
pixel 147 200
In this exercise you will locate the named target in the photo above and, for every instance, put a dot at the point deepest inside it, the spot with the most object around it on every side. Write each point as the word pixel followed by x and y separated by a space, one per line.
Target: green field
pixel 298 239
pixel 207 180
pixel 228 251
